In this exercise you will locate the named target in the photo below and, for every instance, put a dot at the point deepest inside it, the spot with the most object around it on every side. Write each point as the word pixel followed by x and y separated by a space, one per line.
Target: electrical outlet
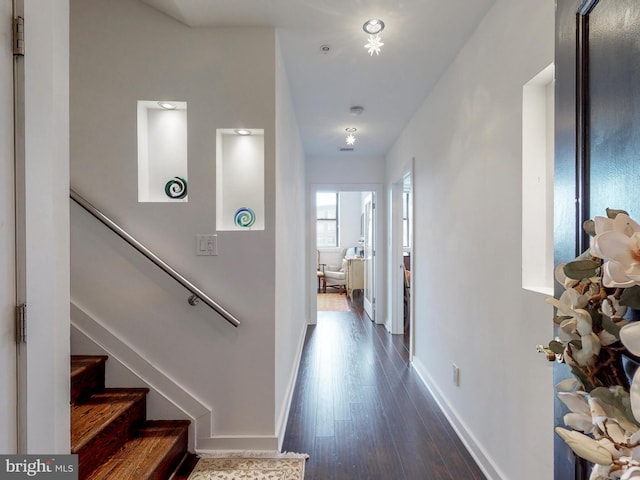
pixel 456 375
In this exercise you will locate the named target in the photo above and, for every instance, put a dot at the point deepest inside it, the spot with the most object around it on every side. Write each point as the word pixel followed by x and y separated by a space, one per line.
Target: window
pixel 327 219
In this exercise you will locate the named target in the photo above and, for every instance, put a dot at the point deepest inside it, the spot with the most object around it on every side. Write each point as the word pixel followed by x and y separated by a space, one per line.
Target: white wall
pixel 124 51
pixel 290 247
pixel 470 307
pixel 345 169
pixel 47 224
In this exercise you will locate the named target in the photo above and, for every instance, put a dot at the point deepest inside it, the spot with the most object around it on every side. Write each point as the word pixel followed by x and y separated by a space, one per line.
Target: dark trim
pixel 583 148
pixel 583 167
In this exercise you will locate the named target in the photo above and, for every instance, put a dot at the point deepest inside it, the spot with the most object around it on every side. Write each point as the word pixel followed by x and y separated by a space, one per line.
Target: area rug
pixel 250 466
pixel 332 302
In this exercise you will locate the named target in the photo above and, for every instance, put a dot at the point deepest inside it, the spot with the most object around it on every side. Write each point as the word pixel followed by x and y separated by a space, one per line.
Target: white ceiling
pixel 421 39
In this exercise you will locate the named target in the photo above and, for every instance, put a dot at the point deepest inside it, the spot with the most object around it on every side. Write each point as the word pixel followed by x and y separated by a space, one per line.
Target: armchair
pixel 335 278
pixel 332 264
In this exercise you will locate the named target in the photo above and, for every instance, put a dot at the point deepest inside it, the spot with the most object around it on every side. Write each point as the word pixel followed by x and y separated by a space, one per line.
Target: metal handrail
pixel 197 294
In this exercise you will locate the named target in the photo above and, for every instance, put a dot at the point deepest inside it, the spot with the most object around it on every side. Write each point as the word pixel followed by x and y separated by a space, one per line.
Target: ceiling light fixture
pixel 167 105
pixel 373 28
pixel 356 110
pixel 374 44
pixel 242 131
pixel 350 139
pixel 351 129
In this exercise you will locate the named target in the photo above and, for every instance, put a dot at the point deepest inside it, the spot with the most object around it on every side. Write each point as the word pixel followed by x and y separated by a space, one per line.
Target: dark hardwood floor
pixel 361 412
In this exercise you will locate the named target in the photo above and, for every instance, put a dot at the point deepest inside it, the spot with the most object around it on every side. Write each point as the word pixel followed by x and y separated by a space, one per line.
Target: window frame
pixel 334 220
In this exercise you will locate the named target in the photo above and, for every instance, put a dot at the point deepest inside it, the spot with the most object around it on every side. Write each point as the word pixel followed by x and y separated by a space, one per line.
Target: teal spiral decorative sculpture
pixel 176 188
pixel 244 217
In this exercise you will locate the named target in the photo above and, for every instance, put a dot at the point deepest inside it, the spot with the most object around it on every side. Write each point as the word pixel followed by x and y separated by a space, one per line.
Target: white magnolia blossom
pixel 618 241
pixel 630 337
pixel 600 472
pixel 585 447
pixel 633 472
pixel 604 424
pixel 577 326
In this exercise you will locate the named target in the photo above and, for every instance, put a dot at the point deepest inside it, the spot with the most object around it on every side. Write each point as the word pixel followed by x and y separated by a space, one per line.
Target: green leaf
pixel 556 347
pixel 560 318
pixel 611 213
pixel 580 269
pixel 596 318
pixel 582 378
pixel 631 297
pixel 619 404
pixel 576 344
pixel 609 326
pixel 589 227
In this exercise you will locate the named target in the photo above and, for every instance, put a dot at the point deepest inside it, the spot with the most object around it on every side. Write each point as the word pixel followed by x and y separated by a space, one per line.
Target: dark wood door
pixel 597 135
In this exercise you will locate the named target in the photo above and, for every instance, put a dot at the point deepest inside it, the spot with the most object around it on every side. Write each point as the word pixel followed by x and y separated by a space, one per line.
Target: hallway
pixel 361 412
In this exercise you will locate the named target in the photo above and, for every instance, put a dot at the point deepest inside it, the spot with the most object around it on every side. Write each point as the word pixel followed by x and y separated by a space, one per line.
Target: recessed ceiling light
pixel 243 131
pixel 373 26
pixel 167 105
pixel 357 110
pixel 325 49
pixel 351 129
pixel 350 139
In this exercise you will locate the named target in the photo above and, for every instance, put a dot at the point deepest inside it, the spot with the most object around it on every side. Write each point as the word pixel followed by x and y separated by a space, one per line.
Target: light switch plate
pixel 206 244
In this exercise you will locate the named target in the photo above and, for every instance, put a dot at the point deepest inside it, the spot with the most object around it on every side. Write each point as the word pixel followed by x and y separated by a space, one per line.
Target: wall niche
pixel 162 151
pixel 239 179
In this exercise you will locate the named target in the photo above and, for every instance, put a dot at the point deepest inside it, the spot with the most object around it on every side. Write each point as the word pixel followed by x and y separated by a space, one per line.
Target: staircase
pixel 111 435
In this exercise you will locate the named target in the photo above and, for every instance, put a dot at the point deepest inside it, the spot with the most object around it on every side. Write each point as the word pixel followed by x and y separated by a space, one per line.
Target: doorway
pixel 343 232
pixel 402 259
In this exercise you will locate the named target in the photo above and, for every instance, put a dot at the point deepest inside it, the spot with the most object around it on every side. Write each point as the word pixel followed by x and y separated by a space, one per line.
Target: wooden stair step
pixel 186 467
pixel 101 423
pixel 154 453
pixel 87 376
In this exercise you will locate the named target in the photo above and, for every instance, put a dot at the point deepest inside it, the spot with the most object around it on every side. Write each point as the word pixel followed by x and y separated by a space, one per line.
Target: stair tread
pixel 80 363
pixel 87 376
pixel 90 417
pixel 143 455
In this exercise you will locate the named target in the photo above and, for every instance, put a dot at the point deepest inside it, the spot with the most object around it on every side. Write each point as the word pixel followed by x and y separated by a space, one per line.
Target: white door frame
pixel 396 258
pixel 44 405
pixel 312 279
pixel 8 372
pixel 370 257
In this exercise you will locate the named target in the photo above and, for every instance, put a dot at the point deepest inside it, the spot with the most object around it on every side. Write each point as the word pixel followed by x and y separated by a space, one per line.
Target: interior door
pixel 8 389
pixel 597 134
pixel 369 255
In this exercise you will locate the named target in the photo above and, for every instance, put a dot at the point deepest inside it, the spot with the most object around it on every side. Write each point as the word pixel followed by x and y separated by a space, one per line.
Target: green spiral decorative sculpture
pixel 244 217
pixel 176 188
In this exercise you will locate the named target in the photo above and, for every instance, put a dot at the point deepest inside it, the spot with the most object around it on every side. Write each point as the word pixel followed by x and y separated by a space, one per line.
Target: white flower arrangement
pixel 594 338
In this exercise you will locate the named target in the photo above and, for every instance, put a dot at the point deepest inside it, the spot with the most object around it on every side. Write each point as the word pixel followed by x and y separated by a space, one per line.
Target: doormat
pixel 246 465
pixel 332 302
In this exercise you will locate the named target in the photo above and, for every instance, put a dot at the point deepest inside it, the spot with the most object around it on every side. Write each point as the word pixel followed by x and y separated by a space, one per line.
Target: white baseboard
pixel 237 443
pixel 199 413
pixel 281 424
pixel 484 461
